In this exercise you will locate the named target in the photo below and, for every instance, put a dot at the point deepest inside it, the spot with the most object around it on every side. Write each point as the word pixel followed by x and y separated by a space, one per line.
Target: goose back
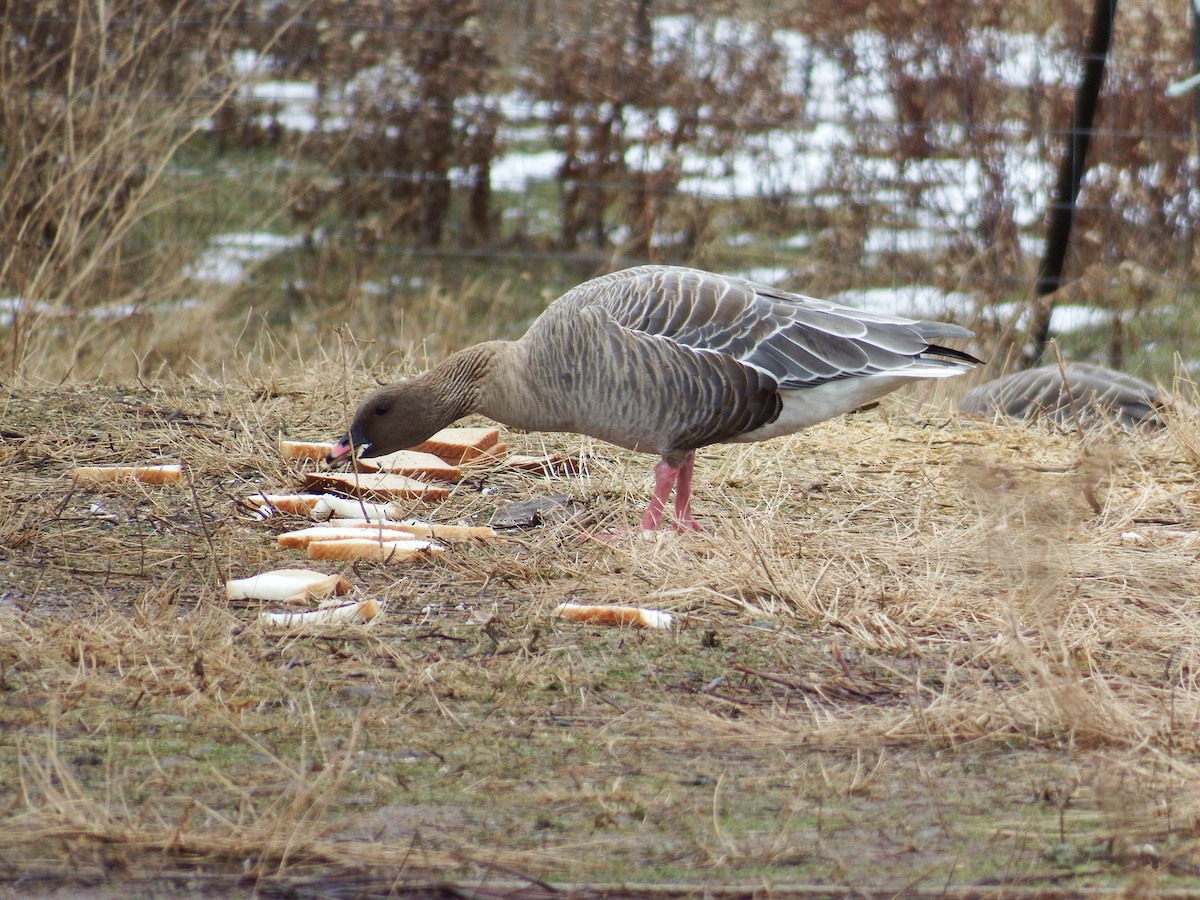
pixel 1075 393
pixel 798 341
pixel 668 359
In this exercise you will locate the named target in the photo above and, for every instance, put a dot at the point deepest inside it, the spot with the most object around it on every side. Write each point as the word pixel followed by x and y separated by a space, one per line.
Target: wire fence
pixel 899 154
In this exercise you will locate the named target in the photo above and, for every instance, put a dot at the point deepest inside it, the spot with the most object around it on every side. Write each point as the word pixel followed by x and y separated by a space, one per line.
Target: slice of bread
pixel 313 450
pixel 448 532
pixel 386 552
pixel 298 540
pixel 493 455
pixel 384 485
pixel 290 504
pixel 413 463
pixel 287 585
pixel 423 529
pixel 331 506
pixel 459 445
pixel 164 474
pixel 347 613
pixel 614 615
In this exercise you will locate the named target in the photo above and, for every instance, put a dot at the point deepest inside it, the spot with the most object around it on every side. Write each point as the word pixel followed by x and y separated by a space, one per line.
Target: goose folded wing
pixel 799 341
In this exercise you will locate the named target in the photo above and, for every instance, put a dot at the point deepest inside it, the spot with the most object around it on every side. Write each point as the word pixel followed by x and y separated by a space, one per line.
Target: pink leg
pixel 683 496
pixel 664 479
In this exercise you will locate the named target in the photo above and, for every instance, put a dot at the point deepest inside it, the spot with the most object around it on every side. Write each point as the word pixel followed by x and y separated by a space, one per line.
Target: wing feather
pixel 799 341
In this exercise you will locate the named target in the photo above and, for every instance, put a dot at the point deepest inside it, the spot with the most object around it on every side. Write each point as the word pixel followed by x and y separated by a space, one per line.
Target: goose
pixel 665 360
pixel 1076 393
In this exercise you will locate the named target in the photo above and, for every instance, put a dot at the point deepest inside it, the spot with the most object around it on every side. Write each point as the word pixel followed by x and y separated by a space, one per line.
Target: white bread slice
pixel 291 504
pixel 376 484
pixel 344 508
pixel 163 474
pixel 386 552
pixel 413 463
pixel 458 445
pixel 298 540
pixel 314 450
pixel 448 532
pixel 345 613
pixel 424 529
pixel 614 615
pixel 287 586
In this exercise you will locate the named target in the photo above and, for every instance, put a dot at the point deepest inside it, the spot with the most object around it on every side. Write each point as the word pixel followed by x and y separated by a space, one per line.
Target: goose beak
pixel 346 448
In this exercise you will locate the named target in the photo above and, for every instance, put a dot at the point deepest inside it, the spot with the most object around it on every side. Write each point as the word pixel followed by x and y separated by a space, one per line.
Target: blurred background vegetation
pixel 183 181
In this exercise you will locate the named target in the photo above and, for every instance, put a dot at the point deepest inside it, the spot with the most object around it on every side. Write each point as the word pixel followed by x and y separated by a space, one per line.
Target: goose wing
pixel 797 341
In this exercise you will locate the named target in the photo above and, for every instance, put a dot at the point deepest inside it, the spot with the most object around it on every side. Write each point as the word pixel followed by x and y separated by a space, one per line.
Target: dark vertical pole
pixel 1070 173
pixel 1195 4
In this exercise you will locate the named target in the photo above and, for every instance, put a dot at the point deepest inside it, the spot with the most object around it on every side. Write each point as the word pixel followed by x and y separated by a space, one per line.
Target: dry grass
pixel 915 651
pixel 103 101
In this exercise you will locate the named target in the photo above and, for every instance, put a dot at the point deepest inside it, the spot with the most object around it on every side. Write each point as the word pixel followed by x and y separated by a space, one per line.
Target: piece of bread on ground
pixel 291 504
pixel 412 463
pixel 298 540
pixel 614 615
pixel 330 506
pixel 493 455
pixel 342 614
pixel 169 473
pixel 314 450
pixel 287 586
pixel 424 529
pixel 448 532
pixel 459 445
pixel 383 485
pixel 373 551
pixel 421 529
pixel 550 464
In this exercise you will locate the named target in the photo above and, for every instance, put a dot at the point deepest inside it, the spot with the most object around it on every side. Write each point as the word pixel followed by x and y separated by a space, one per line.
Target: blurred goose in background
pixel 666 360
pixel 1072 395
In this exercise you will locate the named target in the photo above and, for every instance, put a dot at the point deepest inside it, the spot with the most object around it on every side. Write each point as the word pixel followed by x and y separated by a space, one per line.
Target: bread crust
pixel 168 473
pixel 383 485
pixel 459 445
pixel 298 540
pixel 291 504
pixel 287 586
pixel 311 450
pixel 373 551
pixel 626 616
pixel 412 463
pixel 347 613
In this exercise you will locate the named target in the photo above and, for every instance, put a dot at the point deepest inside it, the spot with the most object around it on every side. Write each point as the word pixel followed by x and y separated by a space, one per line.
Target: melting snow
pixel 228 256
pixel 933 201
pixel 12 307
pixel 1066 318
pixel 514 171
pixel 769 275
pixel 918 301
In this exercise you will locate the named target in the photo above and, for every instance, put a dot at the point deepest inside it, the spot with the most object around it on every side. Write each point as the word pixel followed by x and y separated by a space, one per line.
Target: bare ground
pixel 916 654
